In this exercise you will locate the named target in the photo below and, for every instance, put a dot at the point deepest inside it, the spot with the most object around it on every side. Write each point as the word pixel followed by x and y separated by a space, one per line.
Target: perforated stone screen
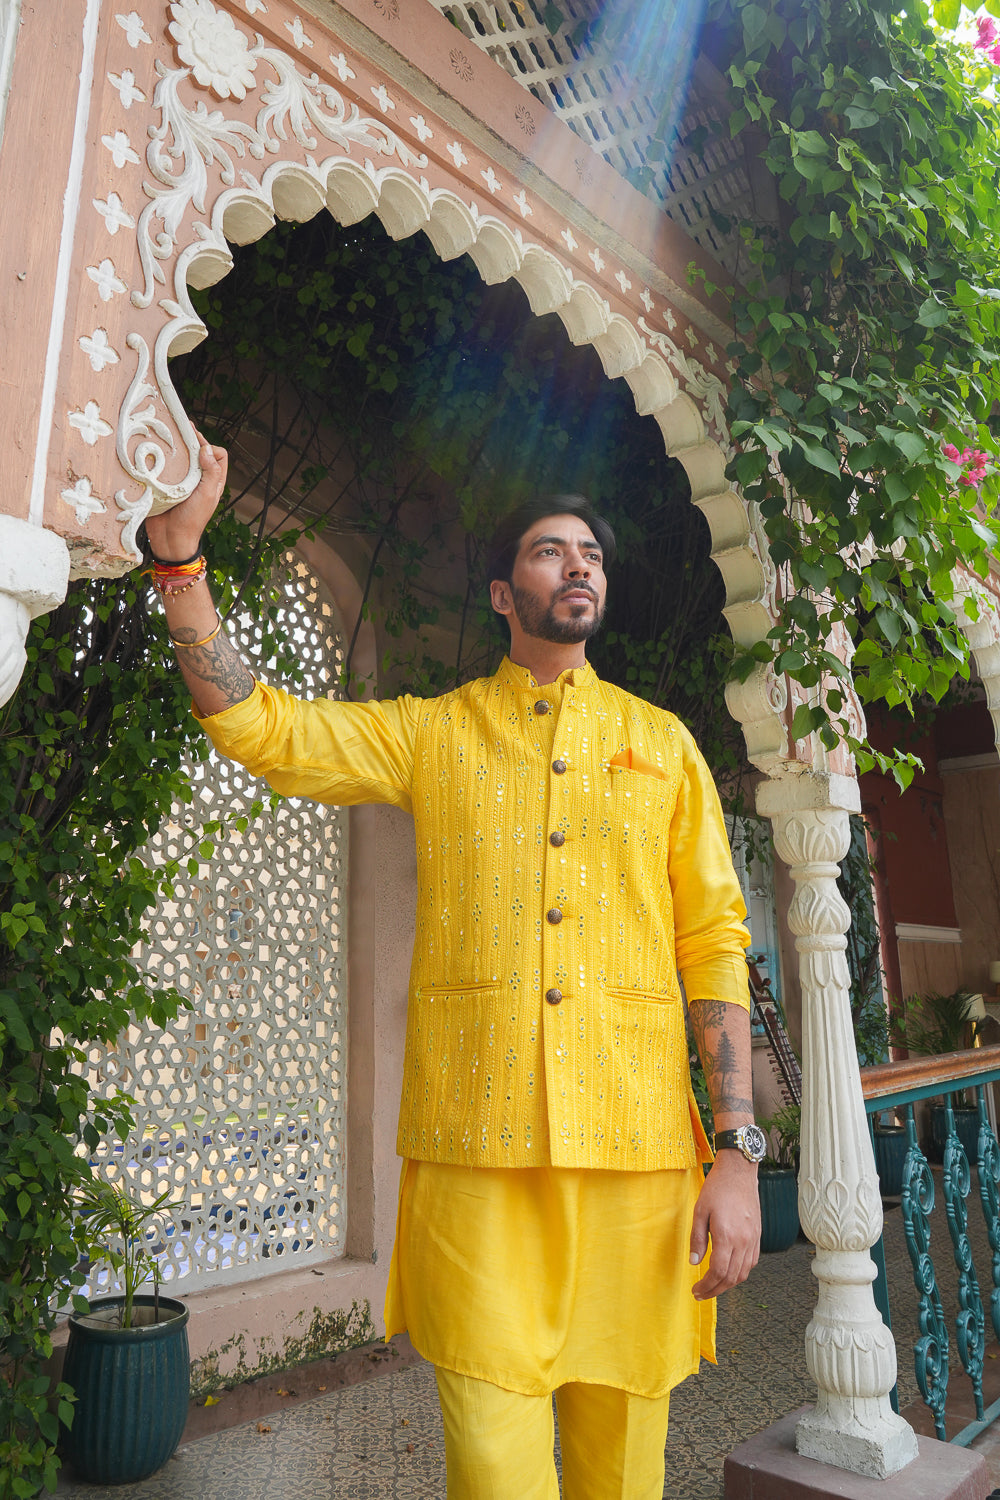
pixel 240 1104
pixel 600 102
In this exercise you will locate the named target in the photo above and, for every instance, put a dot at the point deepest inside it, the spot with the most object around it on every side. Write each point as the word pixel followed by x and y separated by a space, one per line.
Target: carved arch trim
pixel 214 118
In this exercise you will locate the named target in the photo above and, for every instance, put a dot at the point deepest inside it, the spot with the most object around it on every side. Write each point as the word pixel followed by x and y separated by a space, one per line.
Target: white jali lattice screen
pixel 648 133
pixel 240 1104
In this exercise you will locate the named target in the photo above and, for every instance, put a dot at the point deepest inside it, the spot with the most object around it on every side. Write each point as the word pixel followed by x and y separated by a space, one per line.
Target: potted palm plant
pixel 777 1184
pixel 127 1358
pixel 932 1025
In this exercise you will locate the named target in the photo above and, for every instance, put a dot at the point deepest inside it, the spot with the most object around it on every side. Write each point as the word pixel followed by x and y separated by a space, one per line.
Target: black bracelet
pixel 162 562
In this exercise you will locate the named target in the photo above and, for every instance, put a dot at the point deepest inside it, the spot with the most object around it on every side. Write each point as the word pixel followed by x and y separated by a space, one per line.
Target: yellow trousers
pixel 499 1444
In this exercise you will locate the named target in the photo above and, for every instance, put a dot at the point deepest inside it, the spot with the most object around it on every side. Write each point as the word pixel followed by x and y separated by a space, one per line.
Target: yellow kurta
pixel 536 1277
pixel 542 1052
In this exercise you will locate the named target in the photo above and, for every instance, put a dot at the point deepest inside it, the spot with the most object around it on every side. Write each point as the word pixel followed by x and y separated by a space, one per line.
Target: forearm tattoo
pixel 218 663
pixel 728 1080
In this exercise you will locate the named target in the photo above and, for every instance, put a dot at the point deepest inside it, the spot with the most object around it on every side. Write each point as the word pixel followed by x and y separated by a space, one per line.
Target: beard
pixel 539 620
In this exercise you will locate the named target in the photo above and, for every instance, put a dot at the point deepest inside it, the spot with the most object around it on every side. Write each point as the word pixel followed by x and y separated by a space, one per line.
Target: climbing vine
pixel 867 338
pixel 91 748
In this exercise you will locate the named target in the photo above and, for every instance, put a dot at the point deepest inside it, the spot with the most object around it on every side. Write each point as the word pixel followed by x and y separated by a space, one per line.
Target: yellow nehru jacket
pixel 571 857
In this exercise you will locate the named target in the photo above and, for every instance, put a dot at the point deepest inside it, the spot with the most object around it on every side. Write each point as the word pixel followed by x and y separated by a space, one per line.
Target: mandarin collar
pixel 522 679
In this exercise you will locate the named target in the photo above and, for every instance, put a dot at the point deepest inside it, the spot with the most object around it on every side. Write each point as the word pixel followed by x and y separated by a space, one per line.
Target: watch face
pixel 754 1143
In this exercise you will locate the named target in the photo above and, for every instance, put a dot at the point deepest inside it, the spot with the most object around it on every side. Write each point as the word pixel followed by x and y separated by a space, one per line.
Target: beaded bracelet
pixel 172 585
pixel 189 645
pixel 180 578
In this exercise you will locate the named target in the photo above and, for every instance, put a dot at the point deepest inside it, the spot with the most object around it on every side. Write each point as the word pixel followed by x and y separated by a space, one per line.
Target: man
pixel 554 1214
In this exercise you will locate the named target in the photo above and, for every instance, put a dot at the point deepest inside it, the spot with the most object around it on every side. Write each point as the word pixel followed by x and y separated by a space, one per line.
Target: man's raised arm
pixel 213 669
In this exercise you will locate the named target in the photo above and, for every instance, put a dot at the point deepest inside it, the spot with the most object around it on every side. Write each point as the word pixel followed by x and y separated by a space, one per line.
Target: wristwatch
pixel 749 1139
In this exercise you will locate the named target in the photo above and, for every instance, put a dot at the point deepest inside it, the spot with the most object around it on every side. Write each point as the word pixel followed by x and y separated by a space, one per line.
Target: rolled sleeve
pixel 339 753
pixel 709 911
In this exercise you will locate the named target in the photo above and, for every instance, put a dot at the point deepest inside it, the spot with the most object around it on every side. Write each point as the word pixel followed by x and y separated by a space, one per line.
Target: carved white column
pixel 850 1352
pixel 34 573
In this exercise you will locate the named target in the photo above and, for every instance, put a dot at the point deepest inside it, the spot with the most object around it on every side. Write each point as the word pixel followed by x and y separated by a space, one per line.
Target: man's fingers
pixel 729 1266
pixel 699 1237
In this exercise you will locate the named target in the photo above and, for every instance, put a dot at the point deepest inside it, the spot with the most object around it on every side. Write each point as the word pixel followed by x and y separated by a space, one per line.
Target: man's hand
pixel 175 534
pixel 728 1209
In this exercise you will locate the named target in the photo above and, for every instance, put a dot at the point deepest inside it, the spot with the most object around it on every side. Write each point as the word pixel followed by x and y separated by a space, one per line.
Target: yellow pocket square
pixel 628 760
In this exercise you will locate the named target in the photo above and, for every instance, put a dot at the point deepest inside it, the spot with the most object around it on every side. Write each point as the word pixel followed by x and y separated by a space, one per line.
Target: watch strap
pixel 747 1139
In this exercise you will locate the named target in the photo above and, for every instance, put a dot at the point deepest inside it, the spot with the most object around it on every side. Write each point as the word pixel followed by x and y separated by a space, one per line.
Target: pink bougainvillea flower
pixel 951 453
pixel 987 31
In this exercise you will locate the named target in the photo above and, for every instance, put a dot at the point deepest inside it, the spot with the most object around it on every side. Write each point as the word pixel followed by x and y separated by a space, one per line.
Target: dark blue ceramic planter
pixel 966 1128
pixel 132 1387
pixel 891 1146
pixel 779 1208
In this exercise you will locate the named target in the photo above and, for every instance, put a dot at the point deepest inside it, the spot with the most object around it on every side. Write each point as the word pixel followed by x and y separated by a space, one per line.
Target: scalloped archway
pixel 209 130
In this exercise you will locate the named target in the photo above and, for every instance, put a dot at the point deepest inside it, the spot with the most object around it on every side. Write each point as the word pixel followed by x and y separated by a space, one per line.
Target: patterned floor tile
pixel 383 1440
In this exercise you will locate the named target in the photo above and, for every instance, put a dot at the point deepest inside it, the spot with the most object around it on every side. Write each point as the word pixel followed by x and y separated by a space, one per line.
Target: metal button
pixel 557 839
pixel 542 706
pixel 559 767
pixel 553 996
pixel 554 916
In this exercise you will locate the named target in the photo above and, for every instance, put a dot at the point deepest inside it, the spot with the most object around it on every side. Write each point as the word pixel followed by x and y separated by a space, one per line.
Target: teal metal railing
pixel 968 1147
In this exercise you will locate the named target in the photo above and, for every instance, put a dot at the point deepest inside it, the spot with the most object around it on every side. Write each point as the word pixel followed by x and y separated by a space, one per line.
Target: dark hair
pixel 503 549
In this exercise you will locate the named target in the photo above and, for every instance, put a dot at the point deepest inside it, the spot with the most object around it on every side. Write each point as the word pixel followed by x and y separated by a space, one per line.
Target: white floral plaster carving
pixel 85 504
pixel 345 72
pixel 134 29
pixel 210 43
pixel 109 284
pixel 131 514
pixel 298 33
pixel 571 241
pixel 90 424
pixel 598 260
pixel 420 125
pixel 121 149
pixel 704 385
pixel 98 350
pixel 124 82
pixel 114 213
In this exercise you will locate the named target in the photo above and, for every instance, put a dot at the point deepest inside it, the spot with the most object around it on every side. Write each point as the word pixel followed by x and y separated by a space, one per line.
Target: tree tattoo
pixel 729 1086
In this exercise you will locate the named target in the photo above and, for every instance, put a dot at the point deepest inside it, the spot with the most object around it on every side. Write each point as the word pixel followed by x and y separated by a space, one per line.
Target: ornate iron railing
pixel 898 1087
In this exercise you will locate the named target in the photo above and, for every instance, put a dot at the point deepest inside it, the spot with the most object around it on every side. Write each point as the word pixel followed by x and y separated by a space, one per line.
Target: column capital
pixel 808 791
pixel 34 574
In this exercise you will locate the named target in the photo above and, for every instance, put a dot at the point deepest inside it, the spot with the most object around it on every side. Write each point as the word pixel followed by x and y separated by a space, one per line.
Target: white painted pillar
pixel 849 1351
pixel 34 574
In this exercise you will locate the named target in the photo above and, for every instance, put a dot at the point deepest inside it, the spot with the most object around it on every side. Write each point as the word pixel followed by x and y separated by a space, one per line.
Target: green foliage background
pixel 867 334
pixel 90 761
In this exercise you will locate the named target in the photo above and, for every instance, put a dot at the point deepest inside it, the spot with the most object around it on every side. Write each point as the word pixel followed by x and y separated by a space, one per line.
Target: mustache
pixel 575 588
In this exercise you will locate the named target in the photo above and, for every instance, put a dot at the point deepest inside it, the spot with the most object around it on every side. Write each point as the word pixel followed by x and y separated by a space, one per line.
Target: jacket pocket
pixel 642 997
pixel 474 987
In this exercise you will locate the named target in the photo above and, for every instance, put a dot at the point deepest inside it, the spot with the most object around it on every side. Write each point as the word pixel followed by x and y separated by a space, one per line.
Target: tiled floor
pixel 383 1439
